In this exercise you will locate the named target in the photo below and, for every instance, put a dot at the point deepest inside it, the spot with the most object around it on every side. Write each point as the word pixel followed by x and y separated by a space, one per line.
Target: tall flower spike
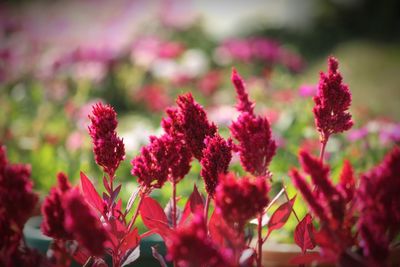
pixel 239 200
pixel 194 124
pixel 53 212
pixel 108 148
pixel 379 206
pixel 332 102
pixel 216 158
pixel 83 223
pixel 256 146
pixel 244 104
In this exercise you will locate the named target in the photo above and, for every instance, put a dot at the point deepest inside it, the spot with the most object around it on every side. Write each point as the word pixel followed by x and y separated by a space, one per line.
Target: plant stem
pixel 260 241
pixel 174 204
pixel 136 212
pixel 206 208
pixel 322 151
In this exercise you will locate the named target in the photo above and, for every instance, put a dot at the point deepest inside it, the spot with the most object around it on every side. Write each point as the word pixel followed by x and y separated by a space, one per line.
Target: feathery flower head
pixel 151 165
pixel 347 183
pixel 216 158
pixel 239 200
pixel 16 196
pixel 194 124
pixel 244 104
pixel 166 157
pixel 190 246
pixel 379 206
pixel 83 223
pixel 53 211
pixel 256 146
pixel 332 102
pixel 108 148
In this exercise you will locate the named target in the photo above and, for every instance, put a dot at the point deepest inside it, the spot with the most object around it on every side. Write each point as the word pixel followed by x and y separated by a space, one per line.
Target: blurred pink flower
pixel 307 90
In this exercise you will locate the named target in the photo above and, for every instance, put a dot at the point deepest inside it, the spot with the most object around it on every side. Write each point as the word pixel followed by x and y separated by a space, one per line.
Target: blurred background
pixel 57 58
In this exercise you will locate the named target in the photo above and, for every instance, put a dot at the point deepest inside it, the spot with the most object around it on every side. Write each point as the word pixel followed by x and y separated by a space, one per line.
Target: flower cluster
pixel 108 148
pixel 191 246
pixel 379 205
pixel 216 158
pixel 194 124
pixel 17 204
pixel 164 158
pixel 239 200
pixel 53 212
pixel 256 146
pixel 332 102
pixel 67 216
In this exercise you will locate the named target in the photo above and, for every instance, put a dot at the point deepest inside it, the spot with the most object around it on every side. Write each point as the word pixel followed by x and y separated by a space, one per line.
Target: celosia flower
pixel 256 146
pixel 239 200
pixel 108 148
pixel 216 158
pixel 379 205
pixel 16 196
pixel 17 204
pixel 244 104
pixel 332 102
pixel 164 158
pixel 190 246
pixel 53 212
pixel 83 223
pixel 194 124
pixel 347 184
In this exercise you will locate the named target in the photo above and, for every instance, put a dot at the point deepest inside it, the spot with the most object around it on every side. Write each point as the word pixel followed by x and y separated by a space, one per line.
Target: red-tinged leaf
pixel 131 200
pixel 106 185
pixel 196 201
pixel 158 256
pixel 307 258
pixel 91 194
pixel 304 234
pixel 185 214
pixel 130 241
pixel 281 215
pixel 131 256
pixel 153 215
pixel 115 193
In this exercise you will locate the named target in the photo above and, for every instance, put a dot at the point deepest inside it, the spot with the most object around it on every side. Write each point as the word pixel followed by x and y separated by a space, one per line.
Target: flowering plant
pixel 353 222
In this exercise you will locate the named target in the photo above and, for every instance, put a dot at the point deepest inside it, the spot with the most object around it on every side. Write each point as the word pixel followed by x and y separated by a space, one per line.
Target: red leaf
pixel 196 201
pixel 281 215
pixel 153 215
pixel 90 193
pixel 130 241
pixel 304 234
